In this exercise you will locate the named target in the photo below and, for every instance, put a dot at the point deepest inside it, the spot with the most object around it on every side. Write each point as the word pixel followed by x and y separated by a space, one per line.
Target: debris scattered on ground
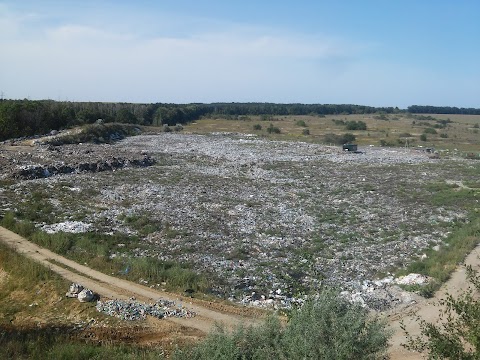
pixel 68 227
pixel 74 290
pixel 412 279
pixel 259 215
pixel 81 293
pixel 133 310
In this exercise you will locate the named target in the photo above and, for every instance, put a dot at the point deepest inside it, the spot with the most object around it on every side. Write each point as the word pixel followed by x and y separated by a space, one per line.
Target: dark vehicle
pixel 350 147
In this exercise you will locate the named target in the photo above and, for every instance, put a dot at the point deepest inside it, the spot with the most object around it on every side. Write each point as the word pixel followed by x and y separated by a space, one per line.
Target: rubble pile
pixel 82 294
pixel 43 171
pixel 131 310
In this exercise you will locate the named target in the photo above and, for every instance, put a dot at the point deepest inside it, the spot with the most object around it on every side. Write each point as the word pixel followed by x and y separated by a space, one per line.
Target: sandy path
pixel 114 288
pixel 425 309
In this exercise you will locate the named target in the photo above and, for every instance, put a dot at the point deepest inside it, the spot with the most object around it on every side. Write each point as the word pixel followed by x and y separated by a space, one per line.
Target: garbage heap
pixel 131 310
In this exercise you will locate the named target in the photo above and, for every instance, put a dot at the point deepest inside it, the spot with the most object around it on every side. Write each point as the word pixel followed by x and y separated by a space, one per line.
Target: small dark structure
pixel 350 147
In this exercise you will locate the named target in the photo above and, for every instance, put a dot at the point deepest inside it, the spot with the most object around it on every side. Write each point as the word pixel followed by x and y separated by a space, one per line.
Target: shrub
pixel 301 123
pixel 306 132
pixel 257 127
pixel 384 143
pixel 328 327
pixel 444 135
pixel 430 131
pixel 457 336
pixel 356 125
pixel 339 139
pixel 423 137
pixel 273 129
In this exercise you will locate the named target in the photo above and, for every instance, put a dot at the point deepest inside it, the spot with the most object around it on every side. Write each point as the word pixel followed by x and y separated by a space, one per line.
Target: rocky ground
pixel 267 220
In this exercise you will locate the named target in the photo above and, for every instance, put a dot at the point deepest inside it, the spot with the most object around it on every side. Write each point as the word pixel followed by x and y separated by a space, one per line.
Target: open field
pixel 459 132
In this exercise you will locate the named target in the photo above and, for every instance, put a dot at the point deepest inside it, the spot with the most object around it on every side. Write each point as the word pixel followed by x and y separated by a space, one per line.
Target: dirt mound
pixel 43 171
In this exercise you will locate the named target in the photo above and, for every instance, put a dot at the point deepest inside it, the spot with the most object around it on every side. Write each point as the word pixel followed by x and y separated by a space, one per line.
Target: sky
pixel 369 52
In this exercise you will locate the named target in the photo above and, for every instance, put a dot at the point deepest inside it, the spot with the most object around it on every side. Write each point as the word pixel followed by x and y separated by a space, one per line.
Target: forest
pixel 19 118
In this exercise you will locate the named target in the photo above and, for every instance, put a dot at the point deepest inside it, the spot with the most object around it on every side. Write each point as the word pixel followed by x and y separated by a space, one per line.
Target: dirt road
pixel 207 314
pixel 426 309
pixel 114 288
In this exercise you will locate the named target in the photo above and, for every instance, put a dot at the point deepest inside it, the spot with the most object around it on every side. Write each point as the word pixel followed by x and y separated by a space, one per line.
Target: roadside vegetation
pixel 94 249
pixel 456 335
pixel 30 290
pixel 327 327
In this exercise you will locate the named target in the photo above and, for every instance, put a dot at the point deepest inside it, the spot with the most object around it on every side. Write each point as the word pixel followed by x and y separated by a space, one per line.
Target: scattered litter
pixel 75 227
pixel 412 279
pixel 131 310
pixel 74 290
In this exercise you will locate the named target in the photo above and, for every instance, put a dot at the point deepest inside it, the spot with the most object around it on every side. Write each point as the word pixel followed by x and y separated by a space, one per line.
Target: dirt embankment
pixel 114 288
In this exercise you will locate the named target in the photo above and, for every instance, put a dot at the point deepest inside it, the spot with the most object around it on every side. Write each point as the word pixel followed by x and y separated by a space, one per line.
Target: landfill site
pixel 268 222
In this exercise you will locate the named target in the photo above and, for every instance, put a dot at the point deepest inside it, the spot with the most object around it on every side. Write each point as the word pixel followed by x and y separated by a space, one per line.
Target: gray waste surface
pixel 133 310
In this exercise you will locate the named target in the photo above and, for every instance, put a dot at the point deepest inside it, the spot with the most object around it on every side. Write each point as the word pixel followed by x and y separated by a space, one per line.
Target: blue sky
pixel 380 53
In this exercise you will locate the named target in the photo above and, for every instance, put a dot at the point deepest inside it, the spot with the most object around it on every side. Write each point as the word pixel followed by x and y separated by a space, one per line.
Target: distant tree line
pixel 421 109
pixel 26 117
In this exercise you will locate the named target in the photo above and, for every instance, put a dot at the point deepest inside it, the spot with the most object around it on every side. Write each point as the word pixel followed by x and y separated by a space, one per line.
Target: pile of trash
pixel 81 293
pixel 131 310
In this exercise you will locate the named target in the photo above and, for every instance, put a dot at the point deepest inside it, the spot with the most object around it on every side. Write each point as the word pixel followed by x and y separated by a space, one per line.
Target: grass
pixel 60 342
pixel 388 128
pixel 97 133
pixel 95 249
pixel 440 264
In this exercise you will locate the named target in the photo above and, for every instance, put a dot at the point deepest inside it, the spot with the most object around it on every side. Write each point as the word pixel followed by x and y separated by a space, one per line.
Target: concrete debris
pixel 81 293
pixel 44 171
pixel 131 310
pixel 86 295
pixel 74 290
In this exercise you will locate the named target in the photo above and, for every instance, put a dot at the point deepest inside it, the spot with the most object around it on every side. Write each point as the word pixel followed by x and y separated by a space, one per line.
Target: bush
pixel 430 131
pixel 339 139
pixel 301 123
pixel 257 127
pixel 444 135
pixel 328 327
pixel 306 132
pixel 356 125
pixel 457 336
pixel 423 137
pixel 273 129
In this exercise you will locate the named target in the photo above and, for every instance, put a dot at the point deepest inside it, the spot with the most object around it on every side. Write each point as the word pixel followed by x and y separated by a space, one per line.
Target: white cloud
pixel 78 60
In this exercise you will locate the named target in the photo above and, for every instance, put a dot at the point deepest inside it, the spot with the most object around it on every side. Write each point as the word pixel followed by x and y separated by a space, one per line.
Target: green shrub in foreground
pixel 326 328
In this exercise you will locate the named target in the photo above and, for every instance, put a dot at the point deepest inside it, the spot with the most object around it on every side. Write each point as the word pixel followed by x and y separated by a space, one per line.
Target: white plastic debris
pixel 412 279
